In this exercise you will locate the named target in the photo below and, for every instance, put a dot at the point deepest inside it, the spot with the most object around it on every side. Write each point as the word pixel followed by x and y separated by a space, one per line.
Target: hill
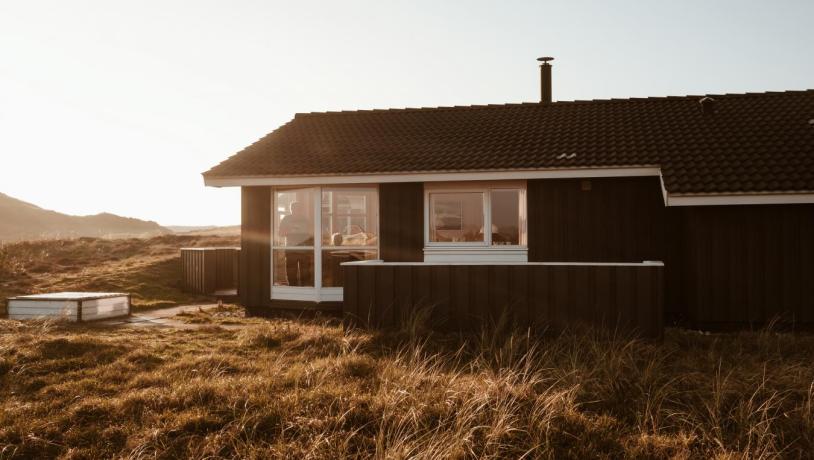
pixel 188 228
pixel 230 230
pixel 24 221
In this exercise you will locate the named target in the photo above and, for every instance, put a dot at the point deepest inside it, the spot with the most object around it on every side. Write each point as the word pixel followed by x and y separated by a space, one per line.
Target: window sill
pixel 476 254
pixel 306 293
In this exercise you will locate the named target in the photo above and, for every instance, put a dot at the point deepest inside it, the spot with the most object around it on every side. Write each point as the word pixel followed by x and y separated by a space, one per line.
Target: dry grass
pixel 147 268
pixel 300 389
pixel 222 315
pixel 311 389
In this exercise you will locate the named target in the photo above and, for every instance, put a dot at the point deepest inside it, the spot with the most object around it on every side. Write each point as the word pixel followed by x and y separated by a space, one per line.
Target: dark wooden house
pixel 696 208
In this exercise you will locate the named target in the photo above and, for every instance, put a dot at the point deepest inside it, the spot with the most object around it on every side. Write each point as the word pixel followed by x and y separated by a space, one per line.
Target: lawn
pixel 312 389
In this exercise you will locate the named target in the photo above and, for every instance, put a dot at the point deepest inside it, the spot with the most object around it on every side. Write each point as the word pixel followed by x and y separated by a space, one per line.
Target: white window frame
pixel 315 293
pixel 476 251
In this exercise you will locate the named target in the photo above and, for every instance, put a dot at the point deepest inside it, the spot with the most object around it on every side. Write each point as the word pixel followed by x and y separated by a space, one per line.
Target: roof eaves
pixel 619 166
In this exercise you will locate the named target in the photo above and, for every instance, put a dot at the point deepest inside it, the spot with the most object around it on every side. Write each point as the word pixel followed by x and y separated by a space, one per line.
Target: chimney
pixel 545 79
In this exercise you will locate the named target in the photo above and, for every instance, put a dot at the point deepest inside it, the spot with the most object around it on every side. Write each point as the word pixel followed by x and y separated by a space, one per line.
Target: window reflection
pixel 456 217
pixel 350 232
pixel 350 218
pixel 505 217
pixel 293 228
pixel 293 217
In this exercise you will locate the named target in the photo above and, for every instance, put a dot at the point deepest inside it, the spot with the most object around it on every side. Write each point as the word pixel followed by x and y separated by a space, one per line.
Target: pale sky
pixel 119 106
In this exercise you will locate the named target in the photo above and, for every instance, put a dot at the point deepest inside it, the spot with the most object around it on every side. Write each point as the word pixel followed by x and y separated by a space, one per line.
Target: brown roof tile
pixel 756 142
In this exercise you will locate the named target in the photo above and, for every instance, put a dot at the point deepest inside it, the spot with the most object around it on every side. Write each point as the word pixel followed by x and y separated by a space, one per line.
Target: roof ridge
pixel 551 104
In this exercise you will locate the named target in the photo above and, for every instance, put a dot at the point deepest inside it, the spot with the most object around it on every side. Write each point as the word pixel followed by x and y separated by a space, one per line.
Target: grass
pixel 222 315
pixel 312 389
pixel 240 387
pixel 147 268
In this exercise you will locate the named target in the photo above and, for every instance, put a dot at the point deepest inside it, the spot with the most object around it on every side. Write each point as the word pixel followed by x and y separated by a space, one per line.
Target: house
pixel 697 209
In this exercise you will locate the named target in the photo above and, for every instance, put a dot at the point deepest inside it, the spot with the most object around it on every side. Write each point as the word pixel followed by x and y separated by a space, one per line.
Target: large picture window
pixel 475 221
pixel 315 230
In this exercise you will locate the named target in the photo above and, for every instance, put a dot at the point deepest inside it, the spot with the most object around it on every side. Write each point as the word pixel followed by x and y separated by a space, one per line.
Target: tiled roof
pixel 756 142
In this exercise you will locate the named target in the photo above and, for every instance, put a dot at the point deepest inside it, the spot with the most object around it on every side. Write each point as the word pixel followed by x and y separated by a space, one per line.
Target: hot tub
pixel 71 306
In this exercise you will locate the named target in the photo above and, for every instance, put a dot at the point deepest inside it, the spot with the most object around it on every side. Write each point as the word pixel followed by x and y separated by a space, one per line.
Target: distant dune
pixel 232 230
pixel 24 221
pixel 188 228
pixel 229 230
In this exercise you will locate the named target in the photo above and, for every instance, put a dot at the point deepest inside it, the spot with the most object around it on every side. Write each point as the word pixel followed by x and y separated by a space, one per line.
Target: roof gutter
pixel 670 199
pixel 439 176
pixel 722 199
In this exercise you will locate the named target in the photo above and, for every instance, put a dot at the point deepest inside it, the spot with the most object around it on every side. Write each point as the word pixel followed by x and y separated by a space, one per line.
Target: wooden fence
pixel 210 270
pixel 547 296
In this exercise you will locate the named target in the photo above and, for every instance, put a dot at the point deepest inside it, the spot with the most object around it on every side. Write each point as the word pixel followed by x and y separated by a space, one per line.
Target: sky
pixel 119 106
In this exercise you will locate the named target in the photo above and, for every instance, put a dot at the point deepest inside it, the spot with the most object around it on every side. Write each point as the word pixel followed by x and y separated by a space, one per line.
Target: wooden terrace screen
pixel 539 295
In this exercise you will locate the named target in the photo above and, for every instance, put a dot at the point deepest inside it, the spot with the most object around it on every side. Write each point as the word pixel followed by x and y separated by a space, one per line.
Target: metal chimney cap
pixel 545 59
pixel 708 105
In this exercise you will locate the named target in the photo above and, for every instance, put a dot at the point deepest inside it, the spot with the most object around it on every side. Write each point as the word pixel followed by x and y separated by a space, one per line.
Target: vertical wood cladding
pixel 723 264
pixel 255 240
pixel 207 270
pixel 749 264
pixel 544 297
pixel 596 220
pixel 614 219
pixel 401 217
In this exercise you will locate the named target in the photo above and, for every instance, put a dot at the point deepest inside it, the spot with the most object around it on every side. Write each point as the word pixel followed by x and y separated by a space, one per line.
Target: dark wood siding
pixel 723 264
pixel 468 297
pixel 614 219
pixel 749 264
pixel 596 220
pixel 255 241
pixel 227 268
pixel 401 218
pixel 207 270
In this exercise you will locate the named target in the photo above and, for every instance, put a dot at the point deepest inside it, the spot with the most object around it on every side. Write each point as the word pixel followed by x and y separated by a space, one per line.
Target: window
pixel 293 242
pixel 478 221
pixel 350 219
pixel 456 217
pixel 315 230
pixel 506 214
